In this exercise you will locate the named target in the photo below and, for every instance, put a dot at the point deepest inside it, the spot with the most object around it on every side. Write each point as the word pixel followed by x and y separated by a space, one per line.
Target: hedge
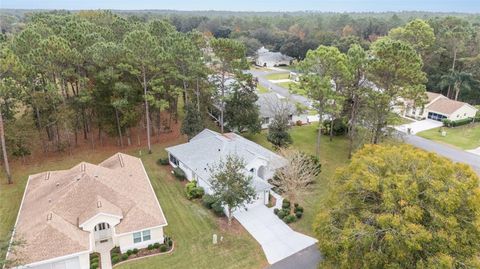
pixel 455 123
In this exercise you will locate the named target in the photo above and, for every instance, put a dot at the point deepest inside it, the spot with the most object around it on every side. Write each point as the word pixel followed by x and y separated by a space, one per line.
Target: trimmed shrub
pixel 298 123
pixel 163 248
pixel 208 201
pixel 124 256
pixel 455 123
pixel 135 251
pixel 192 191
pixel 298 209
pixel 129 252
pixel 94 259
pixel 163 161
pixel 156 245
pixel 115 259
pixel 150 247
pixel 94 265
pixel 218 208
pixel 275 211
pixel 286 204
pixel 170 242
pixel 289 219
pixel 299 214
pixel 179 174
pixel 295 205
pixel 282 213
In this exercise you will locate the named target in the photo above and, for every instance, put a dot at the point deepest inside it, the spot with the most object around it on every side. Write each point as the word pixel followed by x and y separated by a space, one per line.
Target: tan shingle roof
pixel 432 95
pixel 446 106
pixel 57 202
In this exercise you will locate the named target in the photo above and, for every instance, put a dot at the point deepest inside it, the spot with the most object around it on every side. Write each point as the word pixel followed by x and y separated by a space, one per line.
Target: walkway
pixel 277 239
pixel 104 250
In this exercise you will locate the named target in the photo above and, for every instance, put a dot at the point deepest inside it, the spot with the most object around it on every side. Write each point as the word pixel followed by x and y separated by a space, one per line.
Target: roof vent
pixel 49 200
pixel 218 149
pixel 83 167
pixel 49 216
pixel 47 176
pixel 58 184
pixel 99 204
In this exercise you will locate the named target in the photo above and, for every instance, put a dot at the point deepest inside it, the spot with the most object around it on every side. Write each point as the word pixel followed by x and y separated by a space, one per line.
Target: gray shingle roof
pixel 209 147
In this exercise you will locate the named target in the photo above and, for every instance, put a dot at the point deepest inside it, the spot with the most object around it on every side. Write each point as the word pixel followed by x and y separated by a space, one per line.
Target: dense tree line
pixel 68 79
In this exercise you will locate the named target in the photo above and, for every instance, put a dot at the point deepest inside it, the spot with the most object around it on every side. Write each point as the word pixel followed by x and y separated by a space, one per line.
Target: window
pixel 141 236
pixel 173 160
pixel 146 235
pixel 266 120
pixel 102 226
pixel 137 237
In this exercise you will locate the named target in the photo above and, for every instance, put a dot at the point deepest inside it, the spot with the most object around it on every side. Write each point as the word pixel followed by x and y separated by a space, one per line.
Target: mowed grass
pixel 277 76
pixel 333 154
pixel 189 224
pixel 464 137
pixel 261 89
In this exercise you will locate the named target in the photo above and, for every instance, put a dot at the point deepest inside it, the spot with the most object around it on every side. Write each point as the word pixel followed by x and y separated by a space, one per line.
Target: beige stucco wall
pixel 81 261
pixel 125 241
pixel 465 111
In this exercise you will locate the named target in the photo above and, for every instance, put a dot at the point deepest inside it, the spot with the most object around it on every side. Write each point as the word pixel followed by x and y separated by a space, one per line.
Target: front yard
pixel 465 137
pixel 278 76
pixel 332 155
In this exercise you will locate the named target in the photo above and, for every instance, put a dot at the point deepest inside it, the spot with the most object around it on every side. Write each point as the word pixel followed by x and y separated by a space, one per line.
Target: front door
pixel 102 231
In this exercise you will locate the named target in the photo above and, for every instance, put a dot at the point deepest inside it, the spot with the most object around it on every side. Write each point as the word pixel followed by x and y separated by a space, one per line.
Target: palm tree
pixel 458 81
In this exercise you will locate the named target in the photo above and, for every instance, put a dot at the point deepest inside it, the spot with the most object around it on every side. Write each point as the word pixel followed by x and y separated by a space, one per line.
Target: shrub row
pixel 213 203
pixel 192 191
pixel 455 123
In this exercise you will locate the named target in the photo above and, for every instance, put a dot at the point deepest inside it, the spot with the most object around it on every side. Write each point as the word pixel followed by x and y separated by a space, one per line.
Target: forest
pixel 96 78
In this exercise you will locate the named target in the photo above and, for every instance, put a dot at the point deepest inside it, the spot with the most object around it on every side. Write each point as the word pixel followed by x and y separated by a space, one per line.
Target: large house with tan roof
pixel 66 215
pixel 439 107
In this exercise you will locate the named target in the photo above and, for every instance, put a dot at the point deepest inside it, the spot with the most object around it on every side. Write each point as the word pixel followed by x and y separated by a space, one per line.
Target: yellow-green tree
pixel 401 207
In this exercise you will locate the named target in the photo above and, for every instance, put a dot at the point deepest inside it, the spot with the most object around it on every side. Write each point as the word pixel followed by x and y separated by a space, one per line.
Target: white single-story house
pixel 266 58
pixel 440 107
pixel 270 104
pixel 208 147
pixel 66 215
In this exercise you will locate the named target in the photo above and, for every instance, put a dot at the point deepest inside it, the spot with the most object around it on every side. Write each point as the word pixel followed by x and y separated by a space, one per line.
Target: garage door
pixel 72 263
pixel 436 116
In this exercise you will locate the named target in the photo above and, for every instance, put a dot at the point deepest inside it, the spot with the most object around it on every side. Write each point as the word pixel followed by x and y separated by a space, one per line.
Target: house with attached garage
pixel 271 104
pixel 266 58
pixel 208 147
pixel 66 215
pixel 439 107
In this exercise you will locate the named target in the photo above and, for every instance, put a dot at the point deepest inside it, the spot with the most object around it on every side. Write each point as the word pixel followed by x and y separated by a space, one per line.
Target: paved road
pixel 452 153
pixel 260 74
pixel 308 258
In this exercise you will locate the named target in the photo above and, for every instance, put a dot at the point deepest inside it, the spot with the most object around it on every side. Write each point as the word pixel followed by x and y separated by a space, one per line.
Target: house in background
pixel 439 107
pixel 66 215
pixel 266 58
pixel 208 147
pixel 270 104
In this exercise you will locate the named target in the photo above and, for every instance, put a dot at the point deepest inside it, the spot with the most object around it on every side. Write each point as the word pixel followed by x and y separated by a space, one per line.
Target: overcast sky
pixel 471 6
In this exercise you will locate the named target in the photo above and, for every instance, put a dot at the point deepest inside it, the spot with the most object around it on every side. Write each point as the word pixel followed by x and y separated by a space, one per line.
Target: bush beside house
pixel 192 191
pixel 151 249
pixel 285 213
pixel 455 123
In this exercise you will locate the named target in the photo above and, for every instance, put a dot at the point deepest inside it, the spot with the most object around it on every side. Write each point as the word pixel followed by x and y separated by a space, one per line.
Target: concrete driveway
pixel 419 126
pixel 277 239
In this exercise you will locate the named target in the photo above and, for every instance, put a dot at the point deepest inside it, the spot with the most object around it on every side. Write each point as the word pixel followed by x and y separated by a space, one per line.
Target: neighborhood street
pixel 260 74
pixel 456 155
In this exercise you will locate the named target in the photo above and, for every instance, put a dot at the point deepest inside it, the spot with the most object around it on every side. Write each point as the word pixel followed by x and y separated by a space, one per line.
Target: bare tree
pixel 295 179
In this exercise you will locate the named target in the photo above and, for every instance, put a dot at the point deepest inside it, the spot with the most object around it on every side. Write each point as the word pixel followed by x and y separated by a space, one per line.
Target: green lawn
pixel 189 224
pixel 333 154
pixel 262 89
pixel 464 137
pixel 292 87
pixel 278 76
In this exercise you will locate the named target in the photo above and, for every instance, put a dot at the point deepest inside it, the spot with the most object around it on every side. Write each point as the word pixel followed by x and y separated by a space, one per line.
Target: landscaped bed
pixel 151 250
pixel 464 137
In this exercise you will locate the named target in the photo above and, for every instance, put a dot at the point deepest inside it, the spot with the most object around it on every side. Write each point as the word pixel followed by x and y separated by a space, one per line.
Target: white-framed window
pixel 146 235
pixel 137 237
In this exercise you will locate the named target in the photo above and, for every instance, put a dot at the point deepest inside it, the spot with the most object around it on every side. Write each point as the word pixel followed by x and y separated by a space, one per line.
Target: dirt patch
pixel 235 228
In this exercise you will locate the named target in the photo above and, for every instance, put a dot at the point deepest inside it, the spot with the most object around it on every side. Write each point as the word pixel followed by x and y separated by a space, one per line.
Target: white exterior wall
pixel 188 172
pixel 100 218
pixel 464 112
pixel 79 261
pixel 125 241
